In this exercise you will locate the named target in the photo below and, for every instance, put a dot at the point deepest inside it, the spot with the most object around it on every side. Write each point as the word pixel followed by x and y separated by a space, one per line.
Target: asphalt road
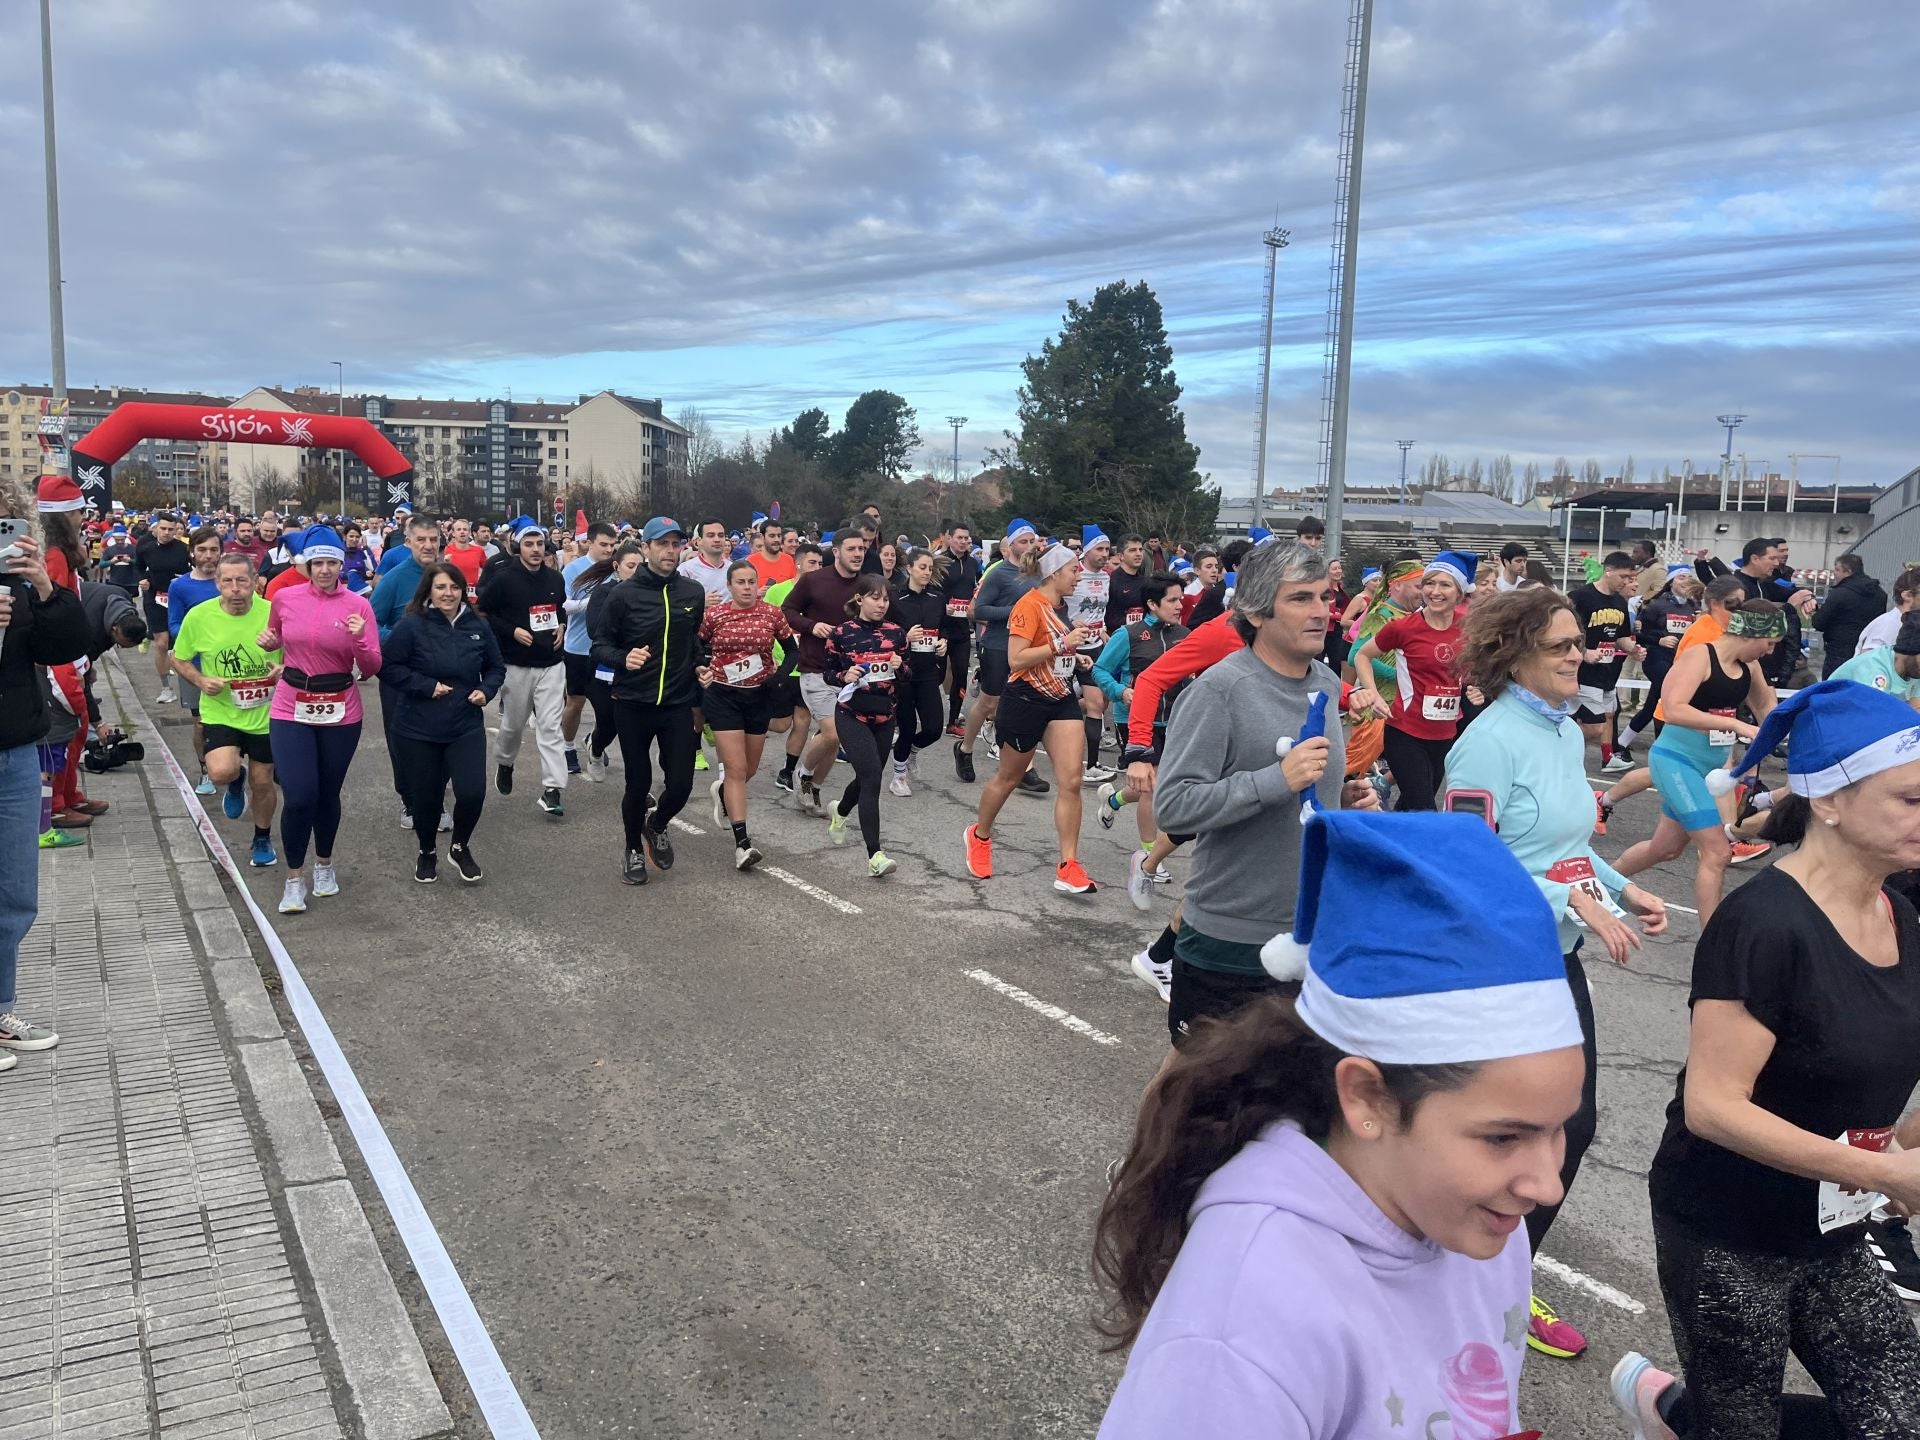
pixel 743 1156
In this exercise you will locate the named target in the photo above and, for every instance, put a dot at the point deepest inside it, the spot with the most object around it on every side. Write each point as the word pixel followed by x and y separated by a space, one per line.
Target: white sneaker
pixel 1139 881
pixel 1096 775
pixel 1103 807
pixel 745 857
pixel 592 769
pixel 719 803
pixel 1618 765
pixel 7 1062
pixel 406 818
pixel 166 697
pixel 325 882
pixel 293 900
pixel 446 822
pixel 1157 975
pixel 898 785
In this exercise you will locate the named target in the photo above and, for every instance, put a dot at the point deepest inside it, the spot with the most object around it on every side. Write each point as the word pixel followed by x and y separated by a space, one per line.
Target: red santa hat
pixel 59 492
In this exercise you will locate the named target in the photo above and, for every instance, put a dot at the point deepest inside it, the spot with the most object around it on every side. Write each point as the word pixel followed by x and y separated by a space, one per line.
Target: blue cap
pixel 662 526
pixel 323 542
pixel 1258 533
pixel 1017 527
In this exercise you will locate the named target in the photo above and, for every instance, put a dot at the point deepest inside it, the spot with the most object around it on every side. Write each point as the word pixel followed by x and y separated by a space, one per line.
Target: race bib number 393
pixel 319 707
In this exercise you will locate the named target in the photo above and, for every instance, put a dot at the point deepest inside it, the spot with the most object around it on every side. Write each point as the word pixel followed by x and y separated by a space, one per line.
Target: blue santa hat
pixel 1092 535
pixel 1314 727
pixel 1259 534
pixel 1682 569
pixel 322 542
pixel 1837 732
pixel 1179 565
pixel 1017 527
pixel 1457 565
pixel 1463 970
pixel 1368 573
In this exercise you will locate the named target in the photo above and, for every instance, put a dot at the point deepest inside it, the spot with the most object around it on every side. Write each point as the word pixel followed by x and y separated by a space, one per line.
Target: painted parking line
pixel 1040 1007
pixel 787 877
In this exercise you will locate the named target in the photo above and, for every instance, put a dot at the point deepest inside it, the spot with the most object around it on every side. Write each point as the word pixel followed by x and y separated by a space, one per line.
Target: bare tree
pixel 1529 483
pixel 1500 476
pixel 703 445
pixel 1436 472
pixel 1590 475
pixel 1626 472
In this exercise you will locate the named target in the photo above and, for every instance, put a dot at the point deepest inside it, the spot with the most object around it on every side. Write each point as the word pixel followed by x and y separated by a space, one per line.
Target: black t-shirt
pixel 120 559
pixel 161 565
pixel 1846 1056
pixel 1604 618
pixel 1125 604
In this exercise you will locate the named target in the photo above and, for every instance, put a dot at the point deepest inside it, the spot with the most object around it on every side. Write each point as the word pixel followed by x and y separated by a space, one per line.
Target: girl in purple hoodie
pixel 1317 1231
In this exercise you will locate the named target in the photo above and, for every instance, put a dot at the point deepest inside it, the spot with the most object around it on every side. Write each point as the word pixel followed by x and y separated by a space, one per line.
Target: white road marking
pixel 680 824
pixel 825 897
pixel 1599 1289
pixel 1041 1007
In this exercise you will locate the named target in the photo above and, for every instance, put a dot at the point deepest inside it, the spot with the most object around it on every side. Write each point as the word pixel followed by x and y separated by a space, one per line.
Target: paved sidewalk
pixel 181 1253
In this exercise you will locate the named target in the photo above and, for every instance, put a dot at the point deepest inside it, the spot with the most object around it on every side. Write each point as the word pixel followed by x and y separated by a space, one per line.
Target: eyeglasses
pixel 1560 647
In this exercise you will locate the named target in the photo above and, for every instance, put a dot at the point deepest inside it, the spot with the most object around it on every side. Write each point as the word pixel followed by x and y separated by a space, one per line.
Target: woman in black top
pixel 918 609
pixel 867 658
pixel 1805 1049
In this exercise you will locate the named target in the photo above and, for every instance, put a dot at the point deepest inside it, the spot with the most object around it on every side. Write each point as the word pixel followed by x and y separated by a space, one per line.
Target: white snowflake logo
pixel 93 477
pixel 396 493
pixel 298 432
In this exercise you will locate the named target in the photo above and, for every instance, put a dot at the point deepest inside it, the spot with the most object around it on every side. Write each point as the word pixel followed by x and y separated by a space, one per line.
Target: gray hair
pixel 1266 568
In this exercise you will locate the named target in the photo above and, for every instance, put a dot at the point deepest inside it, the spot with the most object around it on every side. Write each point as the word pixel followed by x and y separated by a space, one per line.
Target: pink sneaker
pixel 1550 1335
pixel 1637 1388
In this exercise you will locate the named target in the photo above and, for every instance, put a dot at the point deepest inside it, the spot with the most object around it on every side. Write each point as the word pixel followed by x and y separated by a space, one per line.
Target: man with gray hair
pixel 1221 779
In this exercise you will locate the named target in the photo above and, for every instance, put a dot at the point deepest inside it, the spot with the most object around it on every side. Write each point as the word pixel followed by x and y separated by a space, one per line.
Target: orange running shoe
pixel 1745 850
pixel 1072 879
pixel 979 854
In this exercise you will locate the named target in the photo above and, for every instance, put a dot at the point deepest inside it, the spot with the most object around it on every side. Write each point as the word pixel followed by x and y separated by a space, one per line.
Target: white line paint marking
pixel 825 897
pixel 1599 1289
pixel 680 824
pixel 1037 1005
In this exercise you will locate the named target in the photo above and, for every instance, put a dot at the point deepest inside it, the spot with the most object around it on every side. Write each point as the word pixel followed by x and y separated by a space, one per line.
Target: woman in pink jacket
pixel 324 631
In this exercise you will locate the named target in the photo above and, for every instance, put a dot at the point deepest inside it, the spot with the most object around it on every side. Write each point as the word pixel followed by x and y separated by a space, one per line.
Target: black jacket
pixel 509 593
pixel 662 613
pixel 425 649
pixel 39 632
pixel 1851 605
pixel 107 605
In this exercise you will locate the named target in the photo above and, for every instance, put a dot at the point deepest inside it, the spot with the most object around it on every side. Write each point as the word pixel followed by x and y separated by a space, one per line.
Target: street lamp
pixel 340 382
pixel 956 421
pixel 1405 446
pixel 1732 422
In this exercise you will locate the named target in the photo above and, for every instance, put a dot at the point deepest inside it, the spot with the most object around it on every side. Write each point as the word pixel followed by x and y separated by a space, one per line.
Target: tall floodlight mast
pixel 1341 273
pixel 1275 241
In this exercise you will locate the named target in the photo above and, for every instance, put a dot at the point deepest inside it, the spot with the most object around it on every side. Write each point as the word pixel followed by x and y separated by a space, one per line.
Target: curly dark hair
pixel 1502 631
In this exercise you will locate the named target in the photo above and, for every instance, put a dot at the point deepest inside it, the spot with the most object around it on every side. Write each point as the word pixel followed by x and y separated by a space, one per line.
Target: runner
pixel 919 610
pixel 445 662
pixel 645 643
pixel 1206 595
pixel 1134 648
pixel 1519 767
pixel 1399 595
pixel 466 556
pixel 866 656
pixel 772 561
pixel 1906 597
pixel 597 582
pixel 957 587
pixel 708 563
pixel 401 570
pixel 1663 621
pixel 1704 690
pixel 1040 706
pixel 323 632
pixel 1125 604
pixel 1602 608
pixel 1087 609
pixel 600 540
pixel 217 652
pixel 196 587
pixel 1002 585
pixel 120 558
pixel 358 573
pixel 739 684
pixel 524 600
pixel 817 604
pixel 1425 715
pixel 1316 1230
pixel 1895 669
pixel 162 558
pixel 789 716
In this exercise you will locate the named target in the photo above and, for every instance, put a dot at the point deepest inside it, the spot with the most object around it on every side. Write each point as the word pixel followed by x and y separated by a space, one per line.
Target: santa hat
pixel 1457 565
pixel 323 542
pixel 1837 732
pixel 59 493
pixel 1017 527
pixel 1259 534
pixel 1092 535
pixel 1462 971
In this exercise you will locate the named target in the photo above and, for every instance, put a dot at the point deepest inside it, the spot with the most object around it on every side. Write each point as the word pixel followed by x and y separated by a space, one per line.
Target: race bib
pixel 1678 624
pixel 319 707
pixel 879 672
pixel 1577 873
pixel 1839 1207
pixel 161 599
pixel 1096 634
pixel 740 671
pixel 1721 739
pixel 1135 616
pixel 959 609
pixel 924 646
pixel 543 619
pixel 1605 652
pixel 1440 705
pixel 1064 666
pixel 250 694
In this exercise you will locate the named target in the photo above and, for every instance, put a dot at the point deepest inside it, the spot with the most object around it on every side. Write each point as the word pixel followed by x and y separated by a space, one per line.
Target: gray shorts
pixel 818 694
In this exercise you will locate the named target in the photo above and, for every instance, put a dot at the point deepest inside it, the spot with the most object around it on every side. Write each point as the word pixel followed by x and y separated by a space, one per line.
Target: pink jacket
pixel 314 638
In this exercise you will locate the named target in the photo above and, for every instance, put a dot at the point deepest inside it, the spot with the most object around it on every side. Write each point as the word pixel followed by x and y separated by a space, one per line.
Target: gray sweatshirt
pixel 999 591
pixel 1220 780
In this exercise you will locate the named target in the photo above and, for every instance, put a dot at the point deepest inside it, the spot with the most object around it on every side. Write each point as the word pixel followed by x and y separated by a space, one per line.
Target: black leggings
pixel 1643 717
pixel 866 746
pixel 1419 768
pixel 959 655
pixel 390 703
pixel 430 764
pixel 640 726
pixel 600 696
pixel 919 714
pixel 310 762
pixel 1586 1119
pixel 1737 1314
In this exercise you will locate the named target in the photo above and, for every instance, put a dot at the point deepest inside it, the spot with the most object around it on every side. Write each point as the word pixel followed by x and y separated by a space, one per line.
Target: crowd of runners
pixel 1374 1072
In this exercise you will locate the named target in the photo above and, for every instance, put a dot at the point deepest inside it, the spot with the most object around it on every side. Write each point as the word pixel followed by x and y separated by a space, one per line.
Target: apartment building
pixel 189 472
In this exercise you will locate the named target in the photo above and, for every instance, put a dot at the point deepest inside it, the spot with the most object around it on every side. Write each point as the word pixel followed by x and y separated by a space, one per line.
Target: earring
pixel 1366 1125
pixel 1832 821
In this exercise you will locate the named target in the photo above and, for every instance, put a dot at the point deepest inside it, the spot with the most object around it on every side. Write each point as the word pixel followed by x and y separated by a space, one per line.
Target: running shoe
pixel 234 802
pixel 550 801
pixel 261 855
pixel 426 869
pixel 957 730
pixel 700 759
pixel 463 862
pixel 1891 1244
pixel 979 854
pixel 61 840
pixel 783 780
pixel 1139 881
pixel 1162 876
pixel 206 785
pixel 325 881
pixel 1107 810
pixel 715 790
pixel 836 826
pixel 898 784
pixel 406 818
pixel 1637 1387
pixel 1096 774
pixel 633 869
pixel 962 764
pixel 166 697
pixel 1155 974
pixel 1550 1335
pixel 878 864
pixel 596 766
pixel 1750 791
pixel 7 1062
pixel 1745 850
pixel 745 857
pixel 1032 784
pixel 1620 764
pixel 446 822
pixel 293 900
pixel 810 800
pixel 991 746
pixel 1072 879
pixel 17 1034
pixel 573 761
pixel 659 847
pixel 503 779
pixel 1602 813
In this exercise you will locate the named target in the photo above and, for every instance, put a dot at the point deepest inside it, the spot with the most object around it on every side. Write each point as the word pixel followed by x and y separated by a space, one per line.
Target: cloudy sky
pixel 1587 227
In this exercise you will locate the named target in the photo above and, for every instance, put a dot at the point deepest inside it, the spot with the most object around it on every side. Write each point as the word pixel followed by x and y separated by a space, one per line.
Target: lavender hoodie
pixel 1296 1309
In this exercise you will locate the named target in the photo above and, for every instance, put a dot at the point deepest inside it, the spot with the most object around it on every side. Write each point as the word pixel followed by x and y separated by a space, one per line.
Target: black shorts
pixel 733 707
pixel 1024 714
pixel 1200 994
pixel 580 670
pixel 993 671
pixel 783 696
pixel 156 616
pixel 255 747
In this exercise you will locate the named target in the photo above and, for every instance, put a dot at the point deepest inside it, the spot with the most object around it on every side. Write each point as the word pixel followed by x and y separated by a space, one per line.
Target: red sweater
pixel 1213 642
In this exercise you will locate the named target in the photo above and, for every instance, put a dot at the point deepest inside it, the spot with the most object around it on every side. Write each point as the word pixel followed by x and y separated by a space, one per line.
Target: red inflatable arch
pixel 129 424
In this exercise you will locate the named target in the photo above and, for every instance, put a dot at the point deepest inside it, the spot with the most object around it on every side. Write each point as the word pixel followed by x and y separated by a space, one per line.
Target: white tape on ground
pixel 486 1374
pixel 1037 1005
pixel 1599 1289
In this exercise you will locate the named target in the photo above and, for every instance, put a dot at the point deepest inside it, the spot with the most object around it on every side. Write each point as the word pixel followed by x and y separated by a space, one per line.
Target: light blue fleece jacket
pixel 1532 769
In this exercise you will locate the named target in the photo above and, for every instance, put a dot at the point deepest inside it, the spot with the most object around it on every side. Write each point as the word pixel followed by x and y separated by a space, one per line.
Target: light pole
pixel 1732 422
pixel 54 457
pixel 340 383
pixel 956 421
pixel 1405 446
pixel 1275 240
pixel 1359 41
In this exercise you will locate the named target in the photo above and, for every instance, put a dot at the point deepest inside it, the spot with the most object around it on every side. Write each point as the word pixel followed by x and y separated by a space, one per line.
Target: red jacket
pixel 1206 647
